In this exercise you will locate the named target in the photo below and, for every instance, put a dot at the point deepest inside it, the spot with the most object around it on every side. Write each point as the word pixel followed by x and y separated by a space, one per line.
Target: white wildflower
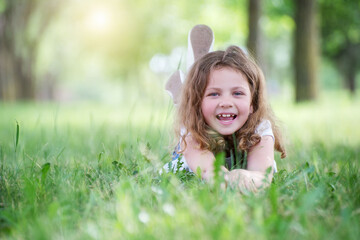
pixel 169 209
pixel 144 217
pixel 156 190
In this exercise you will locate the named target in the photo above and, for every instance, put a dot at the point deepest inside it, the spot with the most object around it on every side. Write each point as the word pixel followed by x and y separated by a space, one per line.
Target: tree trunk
pixel 349 69
pixel 2 71
pixel 348 64
pixel 351 82
pixel 254 42
pixel 306 50
pixel 19 45
pixel 7 88
pixel 24 79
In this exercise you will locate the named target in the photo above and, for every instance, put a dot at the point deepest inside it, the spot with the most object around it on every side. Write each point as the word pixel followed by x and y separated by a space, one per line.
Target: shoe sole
pixel 174 85
pixel 200 42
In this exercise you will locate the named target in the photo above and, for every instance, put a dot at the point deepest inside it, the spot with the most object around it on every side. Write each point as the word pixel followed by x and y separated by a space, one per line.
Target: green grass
pixel 90 171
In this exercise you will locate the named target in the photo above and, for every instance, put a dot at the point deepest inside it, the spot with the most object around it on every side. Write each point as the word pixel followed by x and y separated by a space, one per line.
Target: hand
pixel 245 180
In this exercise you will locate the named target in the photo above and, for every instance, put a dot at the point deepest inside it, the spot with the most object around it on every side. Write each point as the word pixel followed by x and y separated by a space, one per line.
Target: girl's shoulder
pixel 264 128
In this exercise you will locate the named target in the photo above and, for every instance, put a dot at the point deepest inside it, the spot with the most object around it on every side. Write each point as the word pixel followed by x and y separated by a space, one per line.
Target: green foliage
pixel 340 33
pixel 340 22
pixel 2 6
pixel 79 177
pixel 219 161
pixel 279 8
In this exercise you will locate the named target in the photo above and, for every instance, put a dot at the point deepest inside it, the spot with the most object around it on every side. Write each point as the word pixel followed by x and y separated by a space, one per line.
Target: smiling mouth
pixel 226 117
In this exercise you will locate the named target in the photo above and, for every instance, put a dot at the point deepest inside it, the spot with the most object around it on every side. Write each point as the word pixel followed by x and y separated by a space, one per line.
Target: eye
pixel 238 93
pixel 213 94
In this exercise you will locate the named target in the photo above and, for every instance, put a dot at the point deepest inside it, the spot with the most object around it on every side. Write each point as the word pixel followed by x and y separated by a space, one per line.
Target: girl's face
pixel 226 104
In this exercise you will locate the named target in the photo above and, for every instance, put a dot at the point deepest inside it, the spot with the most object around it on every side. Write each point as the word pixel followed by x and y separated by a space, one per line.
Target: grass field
pixel 90 171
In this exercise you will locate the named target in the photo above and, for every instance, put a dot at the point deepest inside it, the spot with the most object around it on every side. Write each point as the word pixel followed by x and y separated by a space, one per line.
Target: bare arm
pixel 195 157
pixel 259 159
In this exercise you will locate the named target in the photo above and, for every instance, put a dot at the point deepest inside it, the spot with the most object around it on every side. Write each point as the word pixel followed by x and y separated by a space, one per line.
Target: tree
pixel 22 24
pixel 306 50
pixel 254 42
pixel 340 21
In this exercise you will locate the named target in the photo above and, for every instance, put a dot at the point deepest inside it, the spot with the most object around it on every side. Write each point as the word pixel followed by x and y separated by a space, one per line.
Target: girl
pixel 223 109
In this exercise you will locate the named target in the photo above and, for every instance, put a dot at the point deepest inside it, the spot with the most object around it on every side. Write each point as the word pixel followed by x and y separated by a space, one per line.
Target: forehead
pixel 226 76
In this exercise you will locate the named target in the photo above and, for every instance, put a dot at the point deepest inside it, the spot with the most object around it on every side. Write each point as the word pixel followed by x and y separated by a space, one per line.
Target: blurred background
pixel 113 50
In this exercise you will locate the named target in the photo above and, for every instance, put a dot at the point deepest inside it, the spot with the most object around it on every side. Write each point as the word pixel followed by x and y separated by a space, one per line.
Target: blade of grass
pixel 61 151
pixel 44 171
pixel 17 135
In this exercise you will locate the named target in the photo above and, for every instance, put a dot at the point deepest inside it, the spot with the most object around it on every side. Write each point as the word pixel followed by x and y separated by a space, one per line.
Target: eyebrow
pixel 219 89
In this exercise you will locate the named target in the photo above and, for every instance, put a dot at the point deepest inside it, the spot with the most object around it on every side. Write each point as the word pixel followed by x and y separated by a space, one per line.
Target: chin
pixel 226 133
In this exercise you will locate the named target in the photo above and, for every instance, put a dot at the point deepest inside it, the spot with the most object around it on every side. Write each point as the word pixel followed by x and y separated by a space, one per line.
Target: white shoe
pixel 200 42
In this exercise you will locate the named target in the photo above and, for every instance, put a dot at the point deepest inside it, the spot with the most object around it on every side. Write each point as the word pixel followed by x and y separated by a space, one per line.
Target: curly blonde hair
pixel 190 118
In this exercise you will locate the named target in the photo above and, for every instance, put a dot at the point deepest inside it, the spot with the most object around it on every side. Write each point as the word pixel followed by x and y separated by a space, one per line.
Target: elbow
pixel 206 174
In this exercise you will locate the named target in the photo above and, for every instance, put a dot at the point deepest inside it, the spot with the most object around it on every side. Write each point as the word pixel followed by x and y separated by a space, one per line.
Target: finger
pixel 224 169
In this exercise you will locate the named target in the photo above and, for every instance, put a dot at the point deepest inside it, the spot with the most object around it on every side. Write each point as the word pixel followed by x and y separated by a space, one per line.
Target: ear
pixel 251 109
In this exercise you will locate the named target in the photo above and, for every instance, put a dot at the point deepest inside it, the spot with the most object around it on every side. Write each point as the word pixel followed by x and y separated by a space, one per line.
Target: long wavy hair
pixel 190 119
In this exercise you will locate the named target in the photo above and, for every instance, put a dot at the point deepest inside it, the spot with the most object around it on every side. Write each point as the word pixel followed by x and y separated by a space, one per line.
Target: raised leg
pixel 200 42
pixel 174 84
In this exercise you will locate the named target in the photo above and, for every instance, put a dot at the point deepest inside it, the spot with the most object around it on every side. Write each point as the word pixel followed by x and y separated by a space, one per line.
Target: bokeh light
pixel 99 20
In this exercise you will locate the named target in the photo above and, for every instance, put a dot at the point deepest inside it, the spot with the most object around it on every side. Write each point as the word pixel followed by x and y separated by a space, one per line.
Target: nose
pixel 226 103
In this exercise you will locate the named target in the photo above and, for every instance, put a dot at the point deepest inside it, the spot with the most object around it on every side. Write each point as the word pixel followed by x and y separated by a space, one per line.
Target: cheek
pixel 206 109
pixel 245 107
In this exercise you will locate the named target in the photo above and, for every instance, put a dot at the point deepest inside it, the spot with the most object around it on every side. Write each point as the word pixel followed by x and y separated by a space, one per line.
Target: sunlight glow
pixel 99 20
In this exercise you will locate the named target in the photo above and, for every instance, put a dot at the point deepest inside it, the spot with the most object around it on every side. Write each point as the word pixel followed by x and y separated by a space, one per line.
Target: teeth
pixel 226 115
